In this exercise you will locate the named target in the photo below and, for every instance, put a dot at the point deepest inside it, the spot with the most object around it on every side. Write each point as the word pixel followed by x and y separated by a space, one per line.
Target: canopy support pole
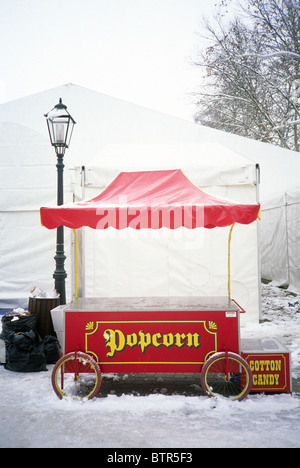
pixel 76 265
pixel 229 278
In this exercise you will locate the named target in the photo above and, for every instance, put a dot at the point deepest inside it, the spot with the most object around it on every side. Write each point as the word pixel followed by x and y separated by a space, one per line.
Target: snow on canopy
pixel 150 200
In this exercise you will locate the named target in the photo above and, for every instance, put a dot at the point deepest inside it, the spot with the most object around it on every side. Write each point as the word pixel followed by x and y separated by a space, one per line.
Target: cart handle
pixel 242 311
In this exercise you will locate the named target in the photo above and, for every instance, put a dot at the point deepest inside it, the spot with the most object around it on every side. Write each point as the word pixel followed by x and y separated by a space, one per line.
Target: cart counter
pixel 152 334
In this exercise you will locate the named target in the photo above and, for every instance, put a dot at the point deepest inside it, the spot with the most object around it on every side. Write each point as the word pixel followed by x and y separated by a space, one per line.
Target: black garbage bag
pixel 25 352
pixel 12 324
pixel 52 349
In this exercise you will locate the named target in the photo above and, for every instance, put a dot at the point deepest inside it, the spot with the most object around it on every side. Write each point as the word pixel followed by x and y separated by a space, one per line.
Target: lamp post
pixel 60 126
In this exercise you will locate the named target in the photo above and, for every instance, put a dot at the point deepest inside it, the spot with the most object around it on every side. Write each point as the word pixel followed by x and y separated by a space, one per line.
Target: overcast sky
pixel 136 50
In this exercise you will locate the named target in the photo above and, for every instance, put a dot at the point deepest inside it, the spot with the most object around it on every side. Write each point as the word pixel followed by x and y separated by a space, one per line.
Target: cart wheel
pixel 76 375
pixel 226 374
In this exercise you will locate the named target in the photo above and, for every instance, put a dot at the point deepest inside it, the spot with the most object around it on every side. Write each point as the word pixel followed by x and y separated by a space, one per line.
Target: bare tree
pixel 251 72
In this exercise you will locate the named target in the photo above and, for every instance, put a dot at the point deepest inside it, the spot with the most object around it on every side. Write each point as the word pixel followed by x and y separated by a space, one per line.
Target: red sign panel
pixel 151 341
pixel 271 372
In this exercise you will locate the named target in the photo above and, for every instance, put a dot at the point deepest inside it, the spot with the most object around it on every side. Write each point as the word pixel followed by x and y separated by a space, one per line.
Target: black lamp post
pixel 60 126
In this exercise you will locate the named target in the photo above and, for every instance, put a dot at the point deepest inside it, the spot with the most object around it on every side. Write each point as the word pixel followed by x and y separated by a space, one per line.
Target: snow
pixel 33 416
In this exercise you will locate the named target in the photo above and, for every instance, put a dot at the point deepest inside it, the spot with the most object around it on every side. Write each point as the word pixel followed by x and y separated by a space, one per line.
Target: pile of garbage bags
pixel 26 351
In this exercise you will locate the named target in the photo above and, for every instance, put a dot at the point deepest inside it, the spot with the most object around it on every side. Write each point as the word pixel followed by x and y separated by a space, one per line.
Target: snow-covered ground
pixel 33 416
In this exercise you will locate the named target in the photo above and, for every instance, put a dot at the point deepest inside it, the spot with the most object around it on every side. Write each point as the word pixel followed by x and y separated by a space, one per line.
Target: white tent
pixel 279 229
pixel 110 136
pixel 280 240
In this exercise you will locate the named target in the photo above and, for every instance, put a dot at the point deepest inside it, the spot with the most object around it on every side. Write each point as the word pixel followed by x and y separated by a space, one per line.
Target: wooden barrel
pixel 41 307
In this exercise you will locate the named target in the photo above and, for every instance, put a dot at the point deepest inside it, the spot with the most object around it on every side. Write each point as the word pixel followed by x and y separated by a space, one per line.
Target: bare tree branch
pixel 251 68
pixel 271 54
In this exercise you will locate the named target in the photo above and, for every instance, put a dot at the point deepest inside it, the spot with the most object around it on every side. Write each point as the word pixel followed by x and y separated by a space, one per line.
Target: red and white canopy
pixel 150 200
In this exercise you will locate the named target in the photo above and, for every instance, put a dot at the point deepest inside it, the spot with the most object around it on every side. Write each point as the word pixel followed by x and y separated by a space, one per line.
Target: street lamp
pixel 60 126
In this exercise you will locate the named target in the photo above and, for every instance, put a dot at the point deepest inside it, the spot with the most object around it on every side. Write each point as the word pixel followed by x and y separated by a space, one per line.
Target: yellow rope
pixel 229 282
pixel 76 276
pixel 259 214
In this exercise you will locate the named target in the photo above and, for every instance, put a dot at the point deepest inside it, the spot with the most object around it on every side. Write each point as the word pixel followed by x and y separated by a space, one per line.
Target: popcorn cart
pixel 151 334
pixel 140 335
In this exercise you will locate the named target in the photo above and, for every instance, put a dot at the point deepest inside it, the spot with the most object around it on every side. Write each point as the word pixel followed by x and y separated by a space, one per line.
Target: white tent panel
pixel 280 240
pixel 135 264
pixel 22 263
pixel 26 257
pixel 293 223
pixel 207 164
pixel 28 179
pixel 273 238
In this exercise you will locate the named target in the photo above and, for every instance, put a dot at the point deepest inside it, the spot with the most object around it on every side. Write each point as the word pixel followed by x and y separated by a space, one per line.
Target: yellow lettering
pixel 266 380
pixel 115 340
pixel 178 338
pixel 131 340
pixel 193 340
pixel 261 365
pixel 155 339
pixel 168 340
pixel 278 365
pixel 265 365
pixel 145 340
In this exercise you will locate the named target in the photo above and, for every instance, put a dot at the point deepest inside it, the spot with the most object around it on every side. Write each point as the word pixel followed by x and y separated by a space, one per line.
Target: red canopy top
pixel 150 200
